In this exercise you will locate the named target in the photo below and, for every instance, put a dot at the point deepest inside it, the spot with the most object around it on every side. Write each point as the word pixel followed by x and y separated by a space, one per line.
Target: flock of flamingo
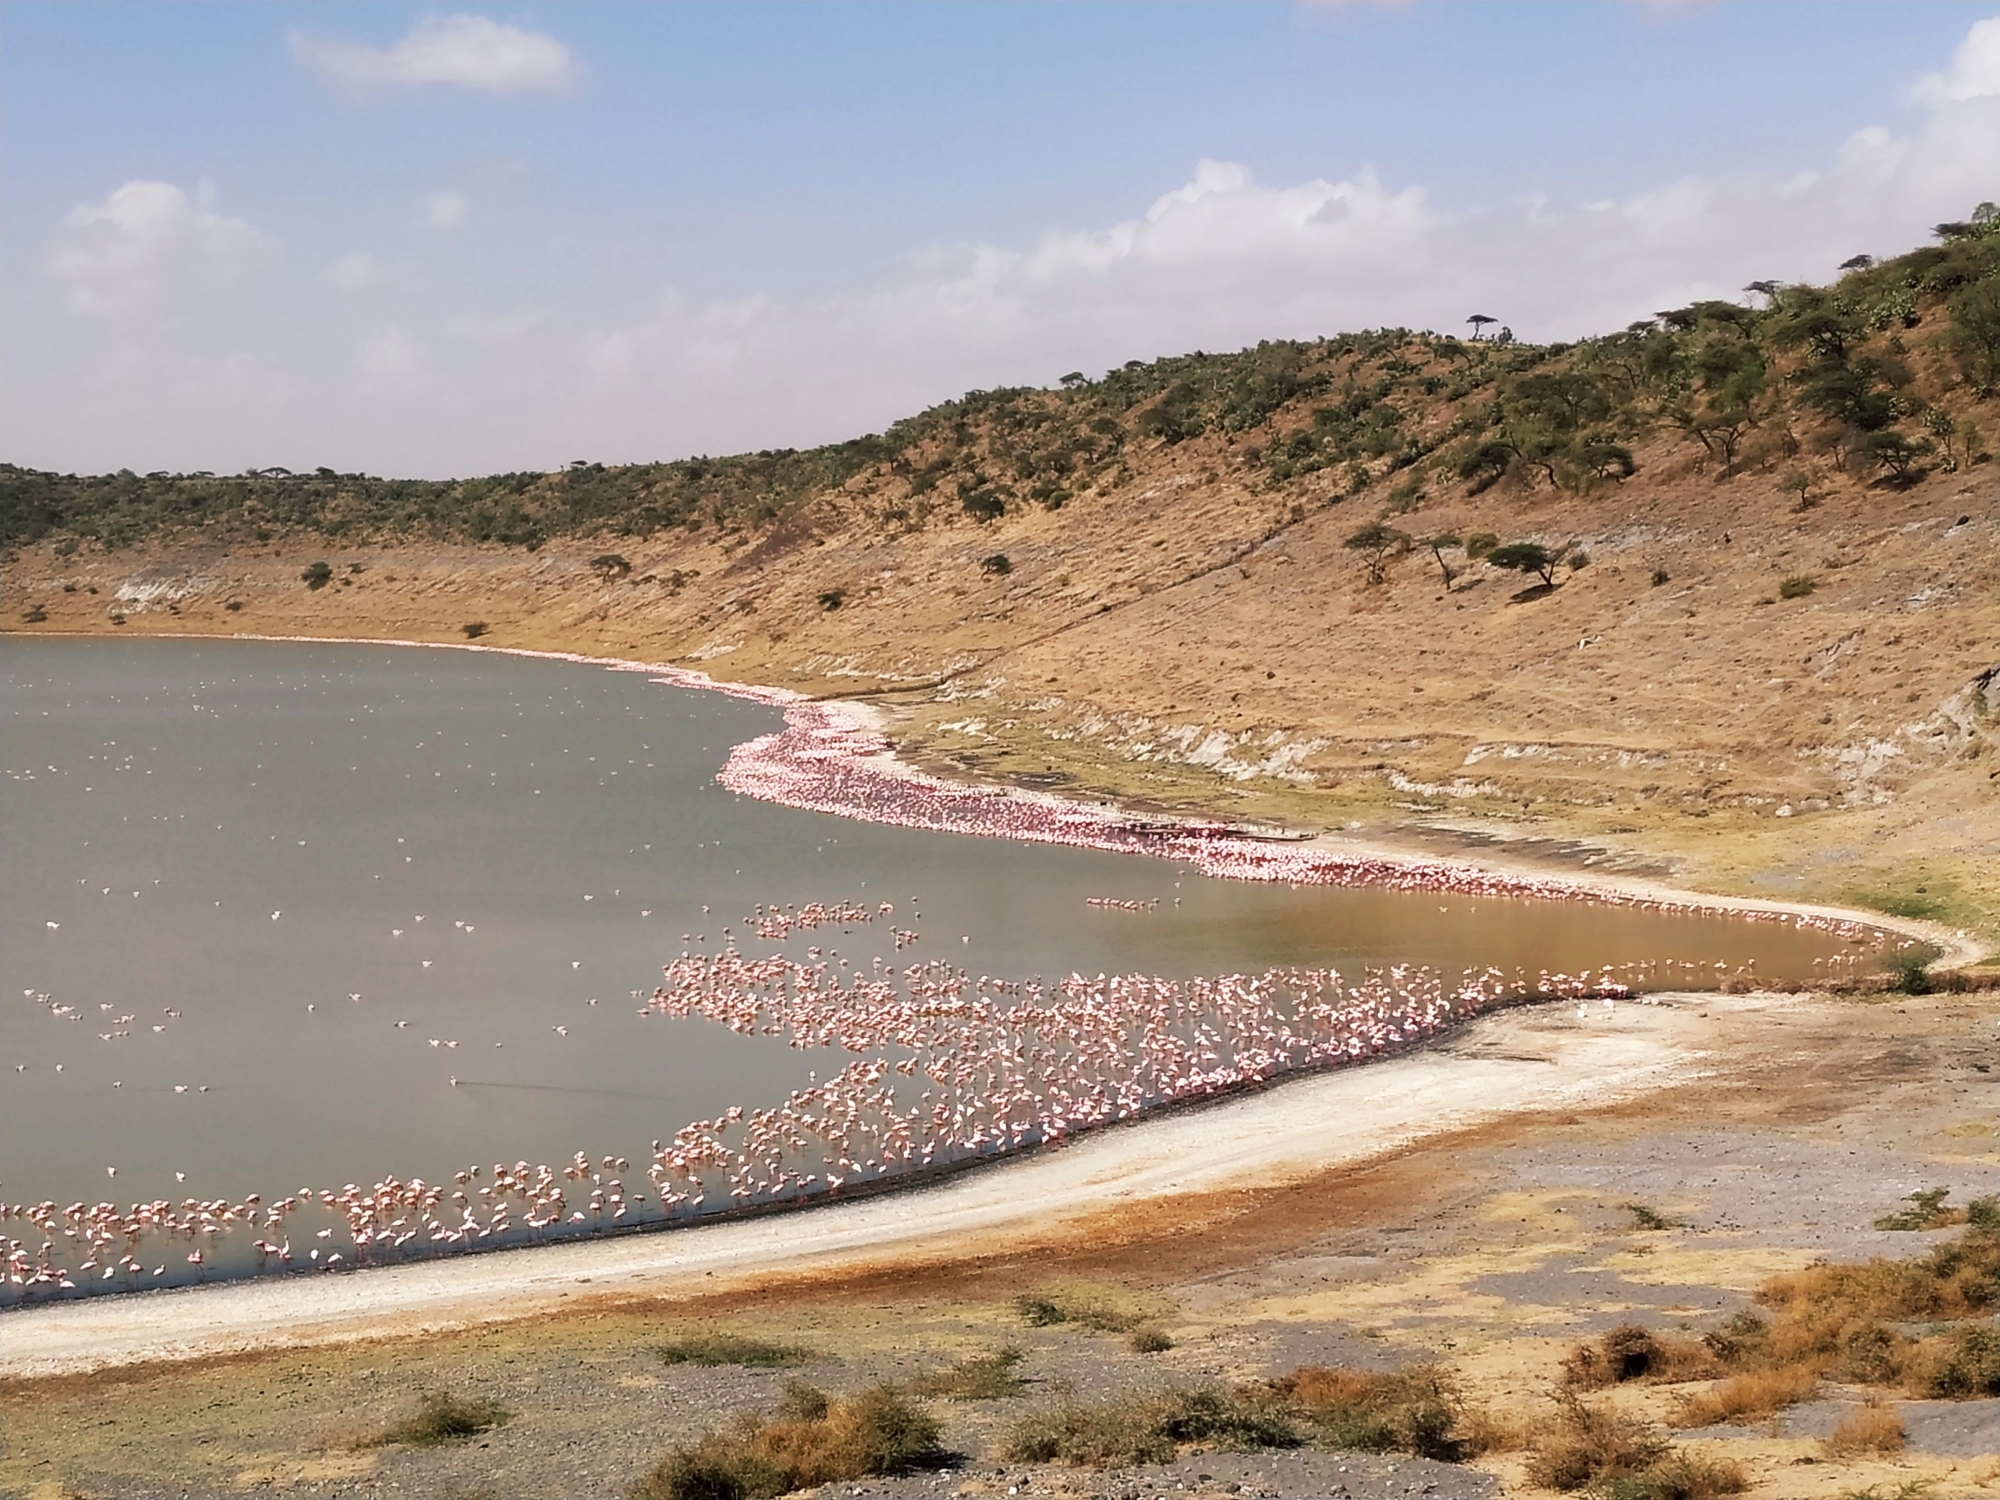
pixel 944 1067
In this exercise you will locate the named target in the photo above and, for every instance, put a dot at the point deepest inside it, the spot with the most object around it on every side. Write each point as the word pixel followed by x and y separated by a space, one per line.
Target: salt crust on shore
pixel 1501 1064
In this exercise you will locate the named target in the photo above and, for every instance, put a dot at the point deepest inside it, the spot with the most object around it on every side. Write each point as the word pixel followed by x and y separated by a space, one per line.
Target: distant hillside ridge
pixel 1880 373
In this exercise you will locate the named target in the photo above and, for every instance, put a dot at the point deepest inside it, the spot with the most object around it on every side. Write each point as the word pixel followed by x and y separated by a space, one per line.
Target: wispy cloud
pixel 445 211
pixel 456 51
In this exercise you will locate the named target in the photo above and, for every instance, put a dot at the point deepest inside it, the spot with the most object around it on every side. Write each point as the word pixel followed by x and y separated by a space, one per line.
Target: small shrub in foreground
pixel 1592 1445
pixel 1874 1428
pixel 731 1349
pixel 1402 1411
pixel 1634 1353
pixel 813 1440
pixel 1757 1393
pixel 1681 1476
pixel 983 1377
pixel 1147 1429
pixel 1094 1313
pixel 440 1418
pixel 1149 1341
pixel 1927 1210
pixel 474 629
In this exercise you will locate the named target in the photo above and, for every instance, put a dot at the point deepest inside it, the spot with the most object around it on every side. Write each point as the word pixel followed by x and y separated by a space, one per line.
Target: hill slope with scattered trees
pixel 1714 594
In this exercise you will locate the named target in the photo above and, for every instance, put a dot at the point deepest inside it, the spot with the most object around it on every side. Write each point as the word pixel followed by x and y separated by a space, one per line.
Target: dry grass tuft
pixel 440 1418
pixel 1592 1445
pixel 1681 1475
pixel 983 1377
pixel 732 1349
pixel 1415 1410
pixel 1634 1353
pixel 1149 1341
pixel 1874 1428
pixel 1850 1322
pixel 1148 1429
pixel 1097 1311
pixel 1756 1393
pixel 813 1440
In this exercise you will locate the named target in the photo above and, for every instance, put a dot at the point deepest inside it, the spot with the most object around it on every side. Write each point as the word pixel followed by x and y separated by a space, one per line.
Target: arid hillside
pixel 1715 597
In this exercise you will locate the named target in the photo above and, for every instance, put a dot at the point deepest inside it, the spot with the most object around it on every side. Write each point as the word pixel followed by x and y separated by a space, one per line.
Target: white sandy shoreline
pixel 1508 1063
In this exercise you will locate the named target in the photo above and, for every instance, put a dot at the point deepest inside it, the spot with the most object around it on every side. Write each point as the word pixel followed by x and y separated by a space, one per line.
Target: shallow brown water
pixel 232 868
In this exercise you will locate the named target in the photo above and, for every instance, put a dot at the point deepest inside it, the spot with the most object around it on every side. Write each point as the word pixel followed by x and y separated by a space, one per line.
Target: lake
pixel 287 915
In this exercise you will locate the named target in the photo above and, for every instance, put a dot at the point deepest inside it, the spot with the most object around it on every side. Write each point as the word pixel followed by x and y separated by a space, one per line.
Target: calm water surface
pixel 242 864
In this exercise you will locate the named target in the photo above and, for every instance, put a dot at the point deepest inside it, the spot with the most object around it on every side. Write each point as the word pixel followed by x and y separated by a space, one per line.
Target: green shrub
pixel 982 1377
pixel 1086 1310
pixel 731 1349
pixel 1148 1429
pixel 1926 1211
pixel 1797 586
pixel 318 575
pixel 1149 1341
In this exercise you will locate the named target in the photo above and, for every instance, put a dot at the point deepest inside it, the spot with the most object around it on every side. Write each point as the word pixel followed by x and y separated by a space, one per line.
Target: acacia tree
pixel 1378 542
pixel 1479 322
pixel 1437 544
pixel 1528 557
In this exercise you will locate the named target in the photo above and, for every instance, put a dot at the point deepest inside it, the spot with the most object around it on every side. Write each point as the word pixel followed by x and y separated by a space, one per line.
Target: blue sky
pixel 441 240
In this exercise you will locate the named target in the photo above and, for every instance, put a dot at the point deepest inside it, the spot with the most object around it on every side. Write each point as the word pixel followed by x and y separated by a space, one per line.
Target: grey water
pixel 260 903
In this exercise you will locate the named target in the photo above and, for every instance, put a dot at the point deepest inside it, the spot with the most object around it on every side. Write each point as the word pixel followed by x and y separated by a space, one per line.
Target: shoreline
pixel 830 741
pixel 1523 1060
pixel 828 750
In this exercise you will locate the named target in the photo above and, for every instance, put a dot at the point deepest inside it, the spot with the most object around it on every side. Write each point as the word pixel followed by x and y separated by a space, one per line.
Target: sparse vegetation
pixel 474 629
pixel 1147 1429
pixel 1927 1210
pixel 317 575
pixel 1591 1444
pixel 1873 1427
pixel 1797 586
pixel 609 565
pixel 1414 1410
pixel 440 1418
pixel 1149 1340
pixel 1919 1324
pixel 812 1440
pixel 1648 1218
pixel 1813 375
pixel 980 1377
pixel 1757 1393
pixel 1095 1311
pixel 1630 1352
pixel 732 1349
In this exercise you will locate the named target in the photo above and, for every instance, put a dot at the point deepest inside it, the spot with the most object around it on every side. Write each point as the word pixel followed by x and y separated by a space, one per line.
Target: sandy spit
pixel 1521 1060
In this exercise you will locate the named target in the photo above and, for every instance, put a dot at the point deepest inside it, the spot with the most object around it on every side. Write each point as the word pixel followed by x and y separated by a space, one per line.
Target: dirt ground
pixel 1492 1249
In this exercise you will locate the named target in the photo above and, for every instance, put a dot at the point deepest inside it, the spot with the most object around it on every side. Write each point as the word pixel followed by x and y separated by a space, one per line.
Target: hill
pixel 1713 596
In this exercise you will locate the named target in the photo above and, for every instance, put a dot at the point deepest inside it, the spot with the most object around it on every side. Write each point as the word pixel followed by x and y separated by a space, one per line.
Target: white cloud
pixel 1217 262
pixel 445 212
pixel 457 51
pixel 1974 71
pixel 354 271
pixel 390 357
pixel 144 238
